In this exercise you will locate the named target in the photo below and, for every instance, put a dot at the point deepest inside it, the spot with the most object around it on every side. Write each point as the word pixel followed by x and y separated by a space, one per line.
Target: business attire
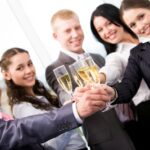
pixel 27 133
pixel 138 67
pixel 114 69
pixel 102 130
pixel 61 142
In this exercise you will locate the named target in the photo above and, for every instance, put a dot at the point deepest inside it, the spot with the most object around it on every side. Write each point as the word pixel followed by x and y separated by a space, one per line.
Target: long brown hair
pixel 18 94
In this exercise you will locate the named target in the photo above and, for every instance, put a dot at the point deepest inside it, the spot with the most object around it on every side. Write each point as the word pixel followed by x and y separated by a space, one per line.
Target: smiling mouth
pixel 146 30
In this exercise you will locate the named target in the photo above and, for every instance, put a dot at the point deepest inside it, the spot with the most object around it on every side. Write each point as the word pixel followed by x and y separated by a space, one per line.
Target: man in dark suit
pixel 103 131
pixel 27 133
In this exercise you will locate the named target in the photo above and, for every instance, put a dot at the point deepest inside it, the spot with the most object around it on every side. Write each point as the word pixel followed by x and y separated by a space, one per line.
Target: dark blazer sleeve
pixel 132 77
pixel 36 129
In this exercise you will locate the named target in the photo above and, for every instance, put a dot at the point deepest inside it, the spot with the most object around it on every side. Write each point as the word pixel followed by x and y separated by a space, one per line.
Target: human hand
pixel 112 93
pixel 90 100
pixel 102 77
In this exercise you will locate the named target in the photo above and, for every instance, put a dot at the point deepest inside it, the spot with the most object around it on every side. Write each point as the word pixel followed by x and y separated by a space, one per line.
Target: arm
pixel 27 131
pixel 125 90
pixel 40 128
pixel 113 69
pixel 131 81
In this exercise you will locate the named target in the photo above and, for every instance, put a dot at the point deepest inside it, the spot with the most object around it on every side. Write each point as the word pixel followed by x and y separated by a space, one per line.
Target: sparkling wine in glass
pixel 88 70
pixel 73 69
pixel 63 78
pixel 93 69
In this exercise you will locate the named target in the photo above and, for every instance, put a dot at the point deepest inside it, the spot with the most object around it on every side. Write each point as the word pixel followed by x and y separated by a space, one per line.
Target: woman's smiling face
pixel 21 70
pixel 138 20
pixel 107 30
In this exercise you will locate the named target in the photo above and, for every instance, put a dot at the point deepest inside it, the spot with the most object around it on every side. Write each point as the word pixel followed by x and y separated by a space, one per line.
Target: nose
pixel 28 70
pixel 106 32
pixel 74 33
pixel 140 27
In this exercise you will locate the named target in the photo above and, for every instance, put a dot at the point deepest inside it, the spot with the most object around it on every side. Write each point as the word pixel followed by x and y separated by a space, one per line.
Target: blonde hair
pixel 63 14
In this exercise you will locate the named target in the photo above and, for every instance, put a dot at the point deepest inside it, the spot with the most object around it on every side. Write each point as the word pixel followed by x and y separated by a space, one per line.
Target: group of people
pixel 43 121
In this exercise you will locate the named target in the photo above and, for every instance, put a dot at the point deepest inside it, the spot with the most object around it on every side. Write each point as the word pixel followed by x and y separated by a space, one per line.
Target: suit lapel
pixel 65 59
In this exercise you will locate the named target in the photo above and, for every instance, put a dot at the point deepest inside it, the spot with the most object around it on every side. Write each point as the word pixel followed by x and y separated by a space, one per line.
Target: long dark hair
pixel 111 13
pixel 131 4
pixel 18 94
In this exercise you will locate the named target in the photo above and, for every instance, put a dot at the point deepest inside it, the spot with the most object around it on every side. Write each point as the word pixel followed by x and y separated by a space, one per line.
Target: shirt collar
pixel 75 56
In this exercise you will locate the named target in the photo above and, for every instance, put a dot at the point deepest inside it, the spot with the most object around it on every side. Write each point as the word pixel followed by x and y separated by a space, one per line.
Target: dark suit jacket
pixel 103 129
pixel 27 133
pixel 138 67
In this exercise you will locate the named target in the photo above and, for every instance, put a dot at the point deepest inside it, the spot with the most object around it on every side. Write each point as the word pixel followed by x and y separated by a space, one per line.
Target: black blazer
pixel 138 67
pixel 102 130
pixel 27 133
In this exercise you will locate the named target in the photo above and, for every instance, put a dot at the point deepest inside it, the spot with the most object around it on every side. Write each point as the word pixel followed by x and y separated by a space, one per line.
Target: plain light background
pixel 26 24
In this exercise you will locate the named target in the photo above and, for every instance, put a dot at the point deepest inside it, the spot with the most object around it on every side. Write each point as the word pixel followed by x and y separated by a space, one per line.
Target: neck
pixel 130 39
pixel 30 91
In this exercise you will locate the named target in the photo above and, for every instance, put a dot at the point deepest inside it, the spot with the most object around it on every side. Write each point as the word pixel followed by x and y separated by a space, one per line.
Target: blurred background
pixel 26 24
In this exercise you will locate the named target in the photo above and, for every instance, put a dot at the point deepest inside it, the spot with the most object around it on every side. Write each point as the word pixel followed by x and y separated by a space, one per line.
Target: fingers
pixel 82 89
pixel 88 107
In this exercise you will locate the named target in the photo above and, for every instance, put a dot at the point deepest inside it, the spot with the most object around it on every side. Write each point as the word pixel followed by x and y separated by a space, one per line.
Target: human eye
pixel 132 25
pixel 19 68
pixel 67 31
pixel 78 27
pixel 141 16
pixel 109 23
pixel 30 63
pixel 99 30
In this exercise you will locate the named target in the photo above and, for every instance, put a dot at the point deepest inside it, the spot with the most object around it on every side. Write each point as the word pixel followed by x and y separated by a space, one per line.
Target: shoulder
pixel 114 55
pixel 52 66
pixel 142 47
pixel 19 108
pixel 99 60
pixel 24 109
pixel 96 55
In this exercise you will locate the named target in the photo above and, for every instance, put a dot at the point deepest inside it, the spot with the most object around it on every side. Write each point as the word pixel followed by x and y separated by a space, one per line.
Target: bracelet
pixel 115 95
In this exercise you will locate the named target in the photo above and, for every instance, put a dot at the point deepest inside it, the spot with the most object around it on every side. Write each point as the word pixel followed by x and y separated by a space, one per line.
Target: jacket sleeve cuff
pixel 79 120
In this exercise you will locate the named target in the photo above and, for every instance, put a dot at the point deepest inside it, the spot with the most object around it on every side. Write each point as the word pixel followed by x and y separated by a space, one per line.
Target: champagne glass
pixel 63 78
pixel 82 69
pixel 73 69
pixel 93 68
pixel 88 70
